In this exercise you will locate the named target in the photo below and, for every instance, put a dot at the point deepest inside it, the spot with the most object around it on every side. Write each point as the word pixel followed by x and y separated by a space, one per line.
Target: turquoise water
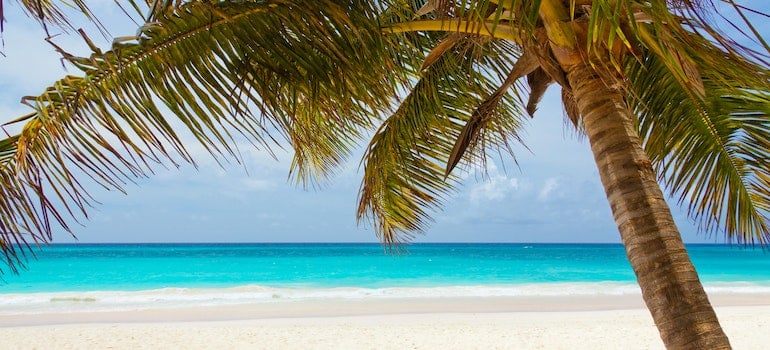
pixel 128 275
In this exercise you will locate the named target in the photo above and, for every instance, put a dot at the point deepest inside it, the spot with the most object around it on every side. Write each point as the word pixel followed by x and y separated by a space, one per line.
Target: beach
pixel 353 296
pixel 527 322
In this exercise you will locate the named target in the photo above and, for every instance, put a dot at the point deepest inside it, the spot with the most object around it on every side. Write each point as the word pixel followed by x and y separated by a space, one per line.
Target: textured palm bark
pixel 670 285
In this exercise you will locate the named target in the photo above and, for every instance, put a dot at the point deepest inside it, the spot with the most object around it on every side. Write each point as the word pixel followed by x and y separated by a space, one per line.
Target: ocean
pixel 111 277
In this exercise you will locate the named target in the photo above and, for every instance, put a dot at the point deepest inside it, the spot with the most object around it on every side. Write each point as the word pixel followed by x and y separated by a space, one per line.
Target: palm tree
pixel 658 91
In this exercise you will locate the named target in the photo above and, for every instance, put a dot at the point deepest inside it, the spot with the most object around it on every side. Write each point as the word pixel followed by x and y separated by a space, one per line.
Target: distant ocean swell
pixel 97 301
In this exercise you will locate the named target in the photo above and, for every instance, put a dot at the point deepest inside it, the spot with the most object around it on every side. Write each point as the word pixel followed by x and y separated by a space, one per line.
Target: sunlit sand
pixel 580 322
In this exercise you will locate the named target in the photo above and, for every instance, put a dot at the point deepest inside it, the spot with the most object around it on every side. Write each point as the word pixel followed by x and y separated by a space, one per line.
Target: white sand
pixel 443 323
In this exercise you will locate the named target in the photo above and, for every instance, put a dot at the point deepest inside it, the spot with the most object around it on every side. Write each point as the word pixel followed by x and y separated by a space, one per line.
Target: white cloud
pixel 495 188
pixel 551 184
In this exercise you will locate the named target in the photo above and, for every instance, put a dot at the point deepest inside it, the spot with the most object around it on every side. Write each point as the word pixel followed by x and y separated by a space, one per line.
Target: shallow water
pixel 135 276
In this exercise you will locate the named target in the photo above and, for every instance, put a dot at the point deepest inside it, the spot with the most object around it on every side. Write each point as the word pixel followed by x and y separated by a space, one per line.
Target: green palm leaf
pixel 225 71
pixel 404 171
pixel 712 153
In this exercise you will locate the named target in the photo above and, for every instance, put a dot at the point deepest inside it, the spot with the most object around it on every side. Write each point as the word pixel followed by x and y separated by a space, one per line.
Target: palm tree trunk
pixel 668 280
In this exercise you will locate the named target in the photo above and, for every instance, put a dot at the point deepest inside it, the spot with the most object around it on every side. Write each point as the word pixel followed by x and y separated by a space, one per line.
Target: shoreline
pixel 546 322
pixel 515 297
pixel 343 307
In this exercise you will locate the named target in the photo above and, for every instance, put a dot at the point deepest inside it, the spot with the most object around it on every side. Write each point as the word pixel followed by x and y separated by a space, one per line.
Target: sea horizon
pixel 741 245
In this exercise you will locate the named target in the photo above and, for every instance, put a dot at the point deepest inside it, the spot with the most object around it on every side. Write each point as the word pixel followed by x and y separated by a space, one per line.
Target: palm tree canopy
pixel 439 83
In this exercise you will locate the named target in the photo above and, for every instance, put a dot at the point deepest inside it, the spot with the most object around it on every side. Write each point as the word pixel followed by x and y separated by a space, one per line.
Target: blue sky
pixel 554 195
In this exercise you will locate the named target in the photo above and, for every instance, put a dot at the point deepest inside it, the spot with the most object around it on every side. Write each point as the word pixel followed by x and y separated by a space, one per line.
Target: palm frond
pixel 665 28
pixel 607 39
pixel 711 153
pixel 263 70
pixel 703 17
pixel 488 109
pixel 44 11
pixel 404 176
pixel 19 205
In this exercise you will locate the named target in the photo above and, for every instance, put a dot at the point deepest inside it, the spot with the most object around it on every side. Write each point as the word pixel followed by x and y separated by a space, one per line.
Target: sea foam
pixel 99 301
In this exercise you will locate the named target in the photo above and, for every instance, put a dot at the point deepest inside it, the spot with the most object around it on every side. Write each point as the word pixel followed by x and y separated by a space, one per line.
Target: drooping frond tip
pixel 525 65
pixel 405 165
pixel 718 165
pixel 212 72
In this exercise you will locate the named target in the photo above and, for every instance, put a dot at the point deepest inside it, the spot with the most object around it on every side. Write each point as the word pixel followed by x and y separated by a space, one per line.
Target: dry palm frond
pixel 526 63
pixel 538 81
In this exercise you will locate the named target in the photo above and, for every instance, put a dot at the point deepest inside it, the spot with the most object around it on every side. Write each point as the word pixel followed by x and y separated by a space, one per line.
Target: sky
pixel 553 195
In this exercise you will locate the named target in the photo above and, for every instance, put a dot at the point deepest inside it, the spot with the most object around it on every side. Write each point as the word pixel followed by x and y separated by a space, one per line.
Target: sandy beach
pixel 579 322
